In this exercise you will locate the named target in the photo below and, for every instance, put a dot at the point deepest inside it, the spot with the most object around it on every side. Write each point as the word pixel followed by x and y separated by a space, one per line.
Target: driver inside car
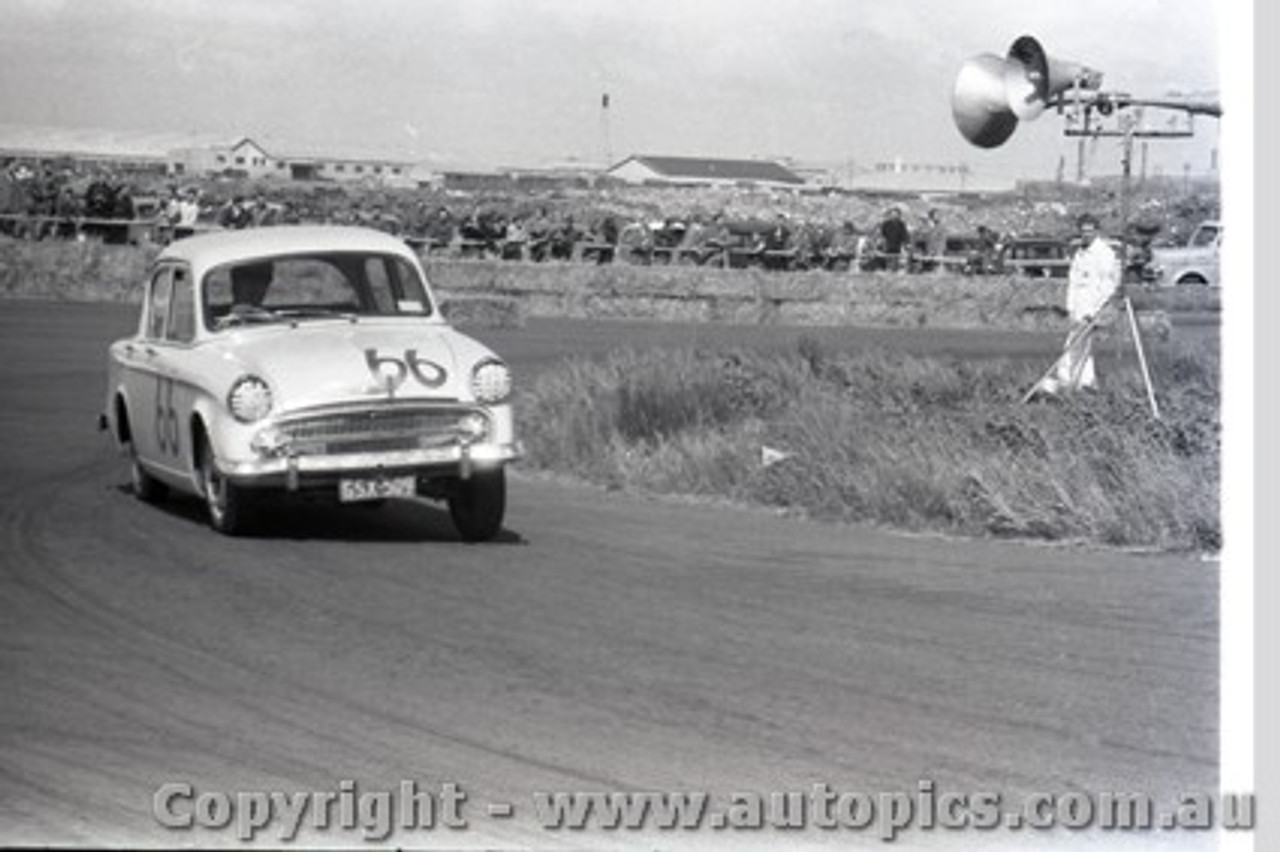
pixel 249 285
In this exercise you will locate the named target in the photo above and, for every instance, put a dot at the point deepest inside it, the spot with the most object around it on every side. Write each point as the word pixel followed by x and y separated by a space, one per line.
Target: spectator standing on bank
pixel 68 211
pixel 933 240
pixel 12 200
pixel 601 241
pixel 1092 282
pixel 988 251
pixel 843 251
pixel 263 214
pixel 718 240
pixel 234 214
pixel 693 246
pixel 894 237
pixel 514 239
pixel 563 238
pixel 441 230
pixel 539 230
pixel 122 207
pixel 775 247
pixel 609 231
pixel 187 212
pixel 100 198
pixel 635 242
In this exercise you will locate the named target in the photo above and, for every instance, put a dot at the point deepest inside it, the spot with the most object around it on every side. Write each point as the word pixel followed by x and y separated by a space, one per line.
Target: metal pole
pixel 1142 358
pixel 1126 161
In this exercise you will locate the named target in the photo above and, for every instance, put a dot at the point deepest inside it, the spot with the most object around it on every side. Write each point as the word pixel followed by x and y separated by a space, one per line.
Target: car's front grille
pixel 386 429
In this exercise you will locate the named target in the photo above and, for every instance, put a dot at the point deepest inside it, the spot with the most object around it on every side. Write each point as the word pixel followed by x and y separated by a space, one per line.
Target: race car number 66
pixel 166 422
pixel 388 368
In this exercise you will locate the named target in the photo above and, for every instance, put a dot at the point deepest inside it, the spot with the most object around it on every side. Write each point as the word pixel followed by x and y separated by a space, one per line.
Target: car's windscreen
pixel 1205 236
pixel 312 286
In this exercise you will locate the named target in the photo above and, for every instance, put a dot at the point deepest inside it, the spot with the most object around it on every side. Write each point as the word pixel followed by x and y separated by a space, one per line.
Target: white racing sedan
pixel 307 359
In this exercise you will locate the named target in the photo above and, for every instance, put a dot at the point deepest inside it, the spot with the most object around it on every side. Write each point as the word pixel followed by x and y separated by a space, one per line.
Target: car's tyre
pixel 146 487
pixel 226 502
pixel 478 504
pixel 1193 278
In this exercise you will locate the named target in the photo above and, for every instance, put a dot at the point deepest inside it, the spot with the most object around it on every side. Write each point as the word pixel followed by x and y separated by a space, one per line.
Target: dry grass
pixel 77 271
pixel 914 443
pixel 92 271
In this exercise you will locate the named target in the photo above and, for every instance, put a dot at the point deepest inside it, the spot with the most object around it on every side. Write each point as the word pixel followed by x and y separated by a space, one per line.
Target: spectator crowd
pixel 626 225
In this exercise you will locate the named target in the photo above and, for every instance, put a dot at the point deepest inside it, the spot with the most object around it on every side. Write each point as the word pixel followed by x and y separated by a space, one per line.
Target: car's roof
pixel 220 247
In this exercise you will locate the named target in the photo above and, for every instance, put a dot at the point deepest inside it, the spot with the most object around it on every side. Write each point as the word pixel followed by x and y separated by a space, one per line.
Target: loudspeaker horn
pixel 991 94
pixel 1032 78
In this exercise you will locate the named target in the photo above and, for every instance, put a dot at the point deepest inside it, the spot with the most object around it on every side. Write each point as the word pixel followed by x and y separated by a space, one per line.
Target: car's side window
pixel 182 309
pixel 158 307
pixel 411 296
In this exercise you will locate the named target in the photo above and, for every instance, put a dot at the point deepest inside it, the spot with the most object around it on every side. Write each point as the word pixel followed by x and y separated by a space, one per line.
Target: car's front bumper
pixel 298 472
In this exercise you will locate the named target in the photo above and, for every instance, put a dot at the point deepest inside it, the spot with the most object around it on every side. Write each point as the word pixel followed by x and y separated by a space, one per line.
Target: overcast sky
pixel 519 82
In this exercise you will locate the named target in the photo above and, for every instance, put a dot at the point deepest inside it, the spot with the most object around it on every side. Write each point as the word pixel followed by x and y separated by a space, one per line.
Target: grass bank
pixel 92 271
pixel 502 292
pixel 913 443
pixel 88 271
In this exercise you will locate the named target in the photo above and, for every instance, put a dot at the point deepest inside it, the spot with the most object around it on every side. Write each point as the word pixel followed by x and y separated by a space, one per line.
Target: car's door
pixel 143 373
pixel 175 379
pixel 1208 244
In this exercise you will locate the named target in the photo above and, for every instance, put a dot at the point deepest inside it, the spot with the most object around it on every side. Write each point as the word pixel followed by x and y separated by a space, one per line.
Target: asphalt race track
pixel 607 642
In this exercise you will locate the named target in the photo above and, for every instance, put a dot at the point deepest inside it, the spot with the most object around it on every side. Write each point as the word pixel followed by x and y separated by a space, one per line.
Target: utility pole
pixel 604 132
pixel 1127 123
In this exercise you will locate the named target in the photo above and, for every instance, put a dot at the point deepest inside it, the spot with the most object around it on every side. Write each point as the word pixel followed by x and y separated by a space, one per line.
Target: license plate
pixel 380 488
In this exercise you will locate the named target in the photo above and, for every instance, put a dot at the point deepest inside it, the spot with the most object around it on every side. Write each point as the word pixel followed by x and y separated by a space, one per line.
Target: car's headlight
pixel 249 399
pixel 490 382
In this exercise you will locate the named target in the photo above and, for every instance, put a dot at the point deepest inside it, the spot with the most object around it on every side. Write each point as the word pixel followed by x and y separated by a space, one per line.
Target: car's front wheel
pixel 225 501
pixel 478 504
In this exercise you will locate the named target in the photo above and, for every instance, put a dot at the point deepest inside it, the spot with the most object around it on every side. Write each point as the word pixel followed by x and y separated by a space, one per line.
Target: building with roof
pixel 903 177
pixel 95 148
pixel 242 157
pixel 246 158
pixel 701 171
pixel 197 155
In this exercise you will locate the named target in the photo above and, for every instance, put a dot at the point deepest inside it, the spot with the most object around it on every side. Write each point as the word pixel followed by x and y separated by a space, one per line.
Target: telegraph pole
pixel 604 131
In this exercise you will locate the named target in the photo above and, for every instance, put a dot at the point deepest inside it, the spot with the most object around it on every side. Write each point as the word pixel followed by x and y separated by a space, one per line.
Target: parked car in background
pixel 1197 262
pixel 969 254
pixel 307 360
pixel 1037 257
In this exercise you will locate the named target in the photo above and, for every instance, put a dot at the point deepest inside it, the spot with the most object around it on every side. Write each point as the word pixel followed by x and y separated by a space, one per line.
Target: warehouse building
pixel 700 171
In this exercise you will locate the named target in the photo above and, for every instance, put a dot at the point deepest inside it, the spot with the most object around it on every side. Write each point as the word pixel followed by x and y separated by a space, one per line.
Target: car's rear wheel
pixel 1193 278
pixel 225 501
pixel 146 487
pixel 478 504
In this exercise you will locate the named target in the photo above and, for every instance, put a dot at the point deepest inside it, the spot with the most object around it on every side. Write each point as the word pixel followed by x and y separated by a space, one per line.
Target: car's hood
pixel 327 362
pixel 1180 253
